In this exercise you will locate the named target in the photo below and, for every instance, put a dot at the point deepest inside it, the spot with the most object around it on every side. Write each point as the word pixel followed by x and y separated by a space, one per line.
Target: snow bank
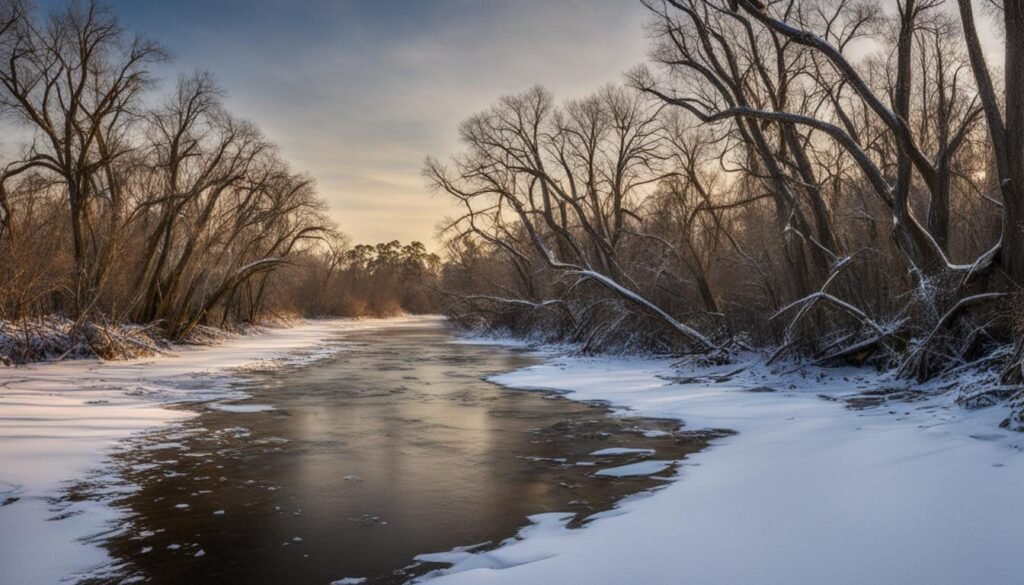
pixel 58 420
pixel 808 492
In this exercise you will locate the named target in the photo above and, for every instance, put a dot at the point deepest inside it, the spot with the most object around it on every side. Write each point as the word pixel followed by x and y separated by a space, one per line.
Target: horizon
pixel 358 94
pixel 357 121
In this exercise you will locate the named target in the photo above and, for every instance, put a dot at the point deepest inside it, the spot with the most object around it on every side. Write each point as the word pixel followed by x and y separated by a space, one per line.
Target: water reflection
pixel 391 448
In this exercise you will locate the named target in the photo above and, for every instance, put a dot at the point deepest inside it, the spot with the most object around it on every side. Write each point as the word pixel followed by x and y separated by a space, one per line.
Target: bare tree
pixel 75 81
pixel 571 177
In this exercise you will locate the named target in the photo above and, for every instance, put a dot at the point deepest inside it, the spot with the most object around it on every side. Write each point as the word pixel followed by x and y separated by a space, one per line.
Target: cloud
pixel 357 93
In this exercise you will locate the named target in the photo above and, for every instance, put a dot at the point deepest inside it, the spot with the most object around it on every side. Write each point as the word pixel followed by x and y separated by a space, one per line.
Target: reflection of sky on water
pixel 389 449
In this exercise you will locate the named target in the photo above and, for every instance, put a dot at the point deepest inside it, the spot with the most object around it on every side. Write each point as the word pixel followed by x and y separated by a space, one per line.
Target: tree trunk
pixel 1012 259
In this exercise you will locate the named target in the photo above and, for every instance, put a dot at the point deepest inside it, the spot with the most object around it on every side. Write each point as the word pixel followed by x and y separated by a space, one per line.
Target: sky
pixel 358 92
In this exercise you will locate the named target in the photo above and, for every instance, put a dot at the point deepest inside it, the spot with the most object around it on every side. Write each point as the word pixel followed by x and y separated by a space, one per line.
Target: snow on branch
pixel 695 336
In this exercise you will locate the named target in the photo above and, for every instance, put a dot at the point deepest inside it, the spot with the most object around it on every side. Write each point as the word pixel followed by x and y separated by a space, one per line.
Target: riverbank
pixel 59 421
pixel 809 491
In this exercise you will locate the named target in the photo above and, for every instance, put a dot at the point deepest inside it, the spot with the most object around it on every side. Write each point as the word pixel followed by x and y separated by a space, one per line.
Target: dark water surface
pixel 393 447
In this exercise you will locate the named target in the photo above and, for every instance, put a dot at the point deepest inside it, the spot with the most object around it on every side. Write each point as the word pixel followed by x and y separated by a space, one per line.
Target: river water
pixel 392 447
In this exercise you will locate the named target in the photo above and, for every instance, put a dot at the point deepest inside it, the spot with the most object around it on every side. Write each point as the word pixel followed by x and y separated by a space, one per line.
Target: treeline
pixel 381 281
pixel 828 179
pixel 125 202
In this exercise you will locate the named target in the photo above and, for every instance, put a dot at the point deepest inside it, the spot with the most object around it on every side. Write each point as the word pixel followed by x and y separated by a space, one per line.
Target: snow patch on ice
pixel 241 408
pixel 636 469
pixel 614 451
pixel 504 557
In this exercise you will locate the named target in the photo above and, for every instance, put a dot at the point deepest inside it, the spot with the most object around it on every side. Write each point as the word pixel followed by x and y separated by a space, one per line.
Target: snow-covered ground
pixel 59 420
pixel 808 492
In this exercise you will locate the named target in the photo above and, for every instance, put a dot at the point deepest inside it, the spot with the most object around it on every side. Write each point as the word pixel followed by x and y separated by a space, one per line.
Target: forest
pixel 827 181
pixel 126 203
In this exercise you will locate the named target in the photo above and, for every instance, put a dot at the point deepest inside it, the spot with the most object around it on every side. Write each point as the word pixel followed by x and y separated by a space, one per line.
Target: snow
pixel 807 492
pixel 635 469
pixel 241 408
pixel 59 420
pixel 615 451
pixel 465 561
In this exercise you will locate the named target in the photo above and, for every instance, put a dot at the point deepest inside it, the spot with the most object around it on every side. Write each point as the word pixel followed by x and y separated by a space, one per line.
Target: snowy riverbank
pixel 59 420
pixel 808 492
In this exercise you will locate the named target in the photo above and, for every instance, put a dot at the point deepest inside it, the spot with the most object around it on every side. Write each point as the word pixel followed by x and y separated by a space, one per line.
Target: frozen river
pixel 354 464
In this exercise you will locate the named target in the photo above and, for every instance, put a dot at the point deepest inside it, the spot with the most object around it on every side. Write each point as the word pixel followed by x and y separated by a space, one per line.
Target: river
pixel 352 465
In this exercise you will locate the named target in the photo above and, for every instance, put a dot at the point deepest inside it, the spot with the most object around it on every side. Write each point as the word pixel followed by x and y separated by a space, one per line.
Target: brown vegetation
pixel 825 178
pixel 122 205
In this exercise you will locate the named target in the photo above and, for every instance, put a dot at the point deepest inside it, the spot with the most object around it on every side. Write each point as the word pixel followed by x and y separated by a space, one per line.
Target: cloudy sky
pixel 358 92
